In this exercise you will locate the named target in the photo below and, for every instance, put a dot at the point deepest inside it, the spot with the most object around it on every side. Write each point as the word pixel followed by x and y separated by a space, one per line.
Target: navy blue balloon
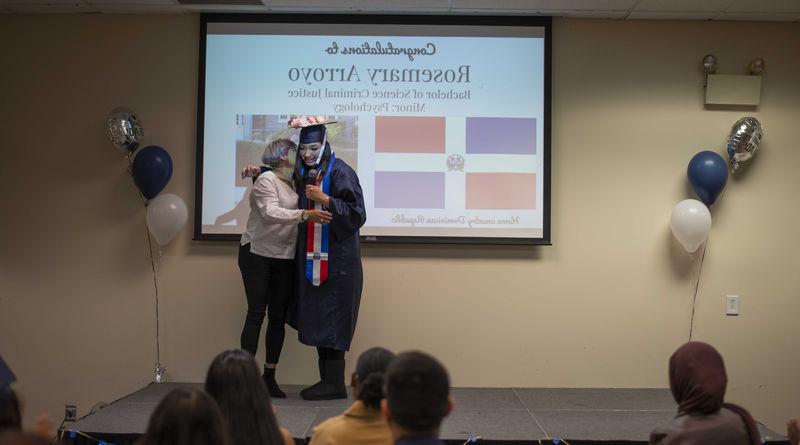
pixel 152 169
pixel 708 173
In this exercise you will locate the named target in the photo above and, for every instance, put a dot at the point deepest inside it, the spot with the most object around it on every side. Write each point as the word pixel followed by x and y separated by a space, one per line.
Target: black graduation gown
pixel 325 316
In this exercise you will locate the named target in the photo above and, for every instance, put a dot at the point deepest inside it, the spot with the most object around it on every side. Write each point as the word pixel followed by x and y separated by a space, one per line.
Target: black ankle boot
pixel 332 385
pixel 272 385
pixel 321 365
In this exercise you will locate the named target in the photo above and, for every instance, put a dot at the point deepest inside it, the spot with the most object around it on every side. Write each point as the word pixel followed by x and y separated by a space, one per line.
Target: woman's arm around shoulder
pixel 265 193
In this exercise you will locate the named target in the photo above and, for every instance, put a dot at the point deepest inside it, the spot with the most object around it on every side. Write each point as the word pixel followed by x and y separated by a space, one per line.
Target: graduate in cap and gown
pixel 328 258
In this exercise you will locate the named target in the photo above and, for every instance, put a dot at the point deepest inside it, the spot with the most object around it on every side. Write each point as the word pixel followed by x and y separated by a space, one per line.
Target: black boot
pixel 272 385
pixel 332 385
pixel 321 365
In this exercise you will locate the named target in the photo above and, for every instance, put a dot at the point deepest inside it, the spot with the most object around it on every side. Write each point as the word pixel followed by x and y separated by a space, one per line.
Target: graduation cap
pixel 312 134
pixel 6 376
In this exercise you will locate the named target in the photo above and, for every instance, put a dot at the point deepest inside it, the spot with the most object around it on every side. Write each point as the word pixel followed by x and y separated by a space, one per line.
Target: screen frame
pixel 386 19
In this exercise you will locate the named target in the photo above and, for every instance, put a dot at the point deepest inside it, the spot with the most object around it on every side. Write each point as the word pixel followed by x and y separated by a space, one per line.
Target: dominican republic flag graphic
pixel 426 162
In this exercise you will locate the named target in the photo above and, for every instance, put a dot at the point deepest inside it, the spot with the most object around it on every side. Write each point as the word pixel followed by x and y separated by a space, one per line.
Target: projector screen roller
pixel 445 119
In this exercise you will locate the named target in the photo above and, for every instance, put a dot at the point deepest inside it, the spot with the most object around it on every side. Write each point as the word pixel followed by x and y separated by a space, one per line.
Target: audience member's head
pixel 698 380
pixel 793 431
pixel 233 380
pixel 417 394
pixel 186 417
pixel 20 438
pixel 369 376
pixel 10 415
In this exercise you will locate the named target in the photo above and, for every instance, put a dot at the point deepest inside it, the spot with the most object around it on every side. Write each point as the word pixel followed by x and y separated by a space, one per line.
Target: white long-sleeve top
pixel 274 216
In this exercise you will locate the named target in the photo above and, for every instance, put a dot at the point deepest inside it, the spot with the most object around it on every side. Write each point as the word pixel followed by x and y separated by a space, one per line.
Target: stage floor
pixel 497 415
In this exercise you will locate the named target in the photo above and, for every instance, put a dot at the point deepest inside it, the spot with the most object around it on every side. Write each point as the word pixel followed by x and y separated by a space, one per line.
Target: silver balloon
pixel 124 130
pixel 744 140
pixel 710 63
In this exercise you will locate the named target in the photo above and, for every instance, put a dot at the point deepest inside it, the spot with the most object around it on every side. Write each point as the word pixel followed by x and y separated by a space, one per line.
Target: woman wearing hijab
pixel 698 380
pixel 793 431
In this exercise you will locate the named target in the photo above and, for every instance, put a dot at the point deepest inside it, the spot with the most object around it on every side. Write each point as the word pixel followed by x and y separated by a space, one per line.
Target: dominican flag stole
pixel 318 235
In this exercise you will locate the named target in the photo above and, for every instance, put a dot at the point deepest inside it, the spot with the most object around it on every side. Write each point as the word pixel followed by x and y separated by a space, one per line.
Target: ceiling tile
pixel 41 2
pixel 681 5
pixel 359 5
pixel 517 5
pixel 408 4
pixel 672 15
pixel 225 8
pixel 758 17
pixel 50 9
pixel 133 2
pixel 589 14
pixel 302 4
pixel 587 5
pixel 398 5
pixel 764 6
pixel 140 9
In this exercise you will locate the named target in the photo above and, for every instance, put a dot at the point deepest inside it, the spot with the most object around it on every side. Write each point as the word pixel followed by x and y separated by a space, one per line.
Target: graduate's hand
pixel 793 427
pixel 315 194
pixel 319 216
pixel 251 171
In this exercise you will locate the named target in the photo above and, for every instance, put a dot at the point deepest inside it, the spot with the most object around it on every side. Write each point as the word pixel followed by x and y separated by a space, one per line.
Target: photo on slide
pixel 253 133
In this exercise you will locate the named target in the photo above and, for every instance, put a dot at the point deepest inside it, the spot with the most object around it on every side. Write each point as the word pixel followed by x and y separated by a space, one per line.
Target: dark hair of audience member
pixel 233 380
pixel 186 417
pixel 371 372
pixel 417 392
pixel 21 438
pixel 10 415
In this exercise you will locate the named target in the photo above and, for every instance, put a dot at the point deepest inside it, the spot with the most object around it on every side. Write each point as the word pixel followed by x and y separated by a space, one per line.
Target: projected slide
pixel 443 124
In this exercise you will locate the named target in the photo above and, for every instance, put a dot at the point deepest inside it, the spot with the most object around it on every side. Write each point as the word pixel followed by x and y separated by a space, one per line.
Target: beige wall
pixel 603 307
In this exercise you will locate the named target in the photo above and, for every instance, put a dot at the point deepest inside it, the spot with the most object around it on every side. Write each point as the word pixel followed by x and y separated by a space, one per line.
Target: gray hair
pixel 275 150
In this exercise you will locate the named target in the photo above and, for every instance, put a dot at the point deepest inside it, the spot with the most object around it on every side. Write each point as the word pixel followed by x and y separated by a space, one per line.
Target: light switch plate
pixel 732 305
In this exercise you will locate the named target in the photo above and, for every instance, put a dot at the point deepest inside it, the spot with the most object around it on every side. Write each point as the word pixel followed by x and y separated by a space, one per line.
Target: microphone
pixel 311 177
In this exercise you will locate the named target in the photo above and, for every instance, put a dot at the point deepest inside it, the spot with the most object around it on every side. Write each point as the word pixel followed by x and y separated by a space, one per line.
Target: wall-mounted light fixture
pixel 732 89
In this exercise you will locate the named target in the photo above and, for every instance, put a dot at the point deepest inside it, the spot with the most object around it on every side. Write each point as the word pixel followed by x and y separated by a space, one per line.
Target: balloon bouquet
pixel 151 169
pixel 708 173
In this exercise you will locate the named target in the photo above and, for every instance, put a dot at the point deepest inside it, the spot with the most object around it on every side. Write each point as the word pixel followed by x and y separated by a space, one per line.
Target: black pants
pixel 268 286
pixel 330 354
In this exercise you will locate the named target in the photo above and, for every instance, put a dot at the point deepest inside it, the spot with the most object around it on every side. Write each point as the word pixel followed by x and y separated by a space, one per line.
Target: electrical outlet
pixel 70 413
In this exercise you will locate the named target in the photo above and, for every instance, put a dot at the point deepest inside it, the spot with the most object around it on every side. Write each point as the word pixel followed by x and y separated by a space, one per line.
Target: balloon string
pixel 155 286
pixel 696 287
pixel 159 368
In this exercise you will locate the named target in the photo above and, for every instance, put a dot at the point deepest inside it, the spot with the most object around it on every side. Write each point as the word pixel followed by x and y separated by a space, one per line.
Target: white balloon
pixel 690 223
pixel 166 216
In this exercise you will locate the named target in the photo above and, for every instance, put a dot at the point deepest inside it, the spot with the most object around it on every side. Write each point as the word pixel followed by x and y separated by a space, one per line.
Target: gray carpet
pixel 503 415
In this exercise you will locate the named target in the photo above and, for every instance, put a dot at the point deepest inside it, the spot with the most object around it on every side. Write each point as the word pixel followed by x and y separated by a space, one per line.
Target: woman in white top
pixel 266 253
